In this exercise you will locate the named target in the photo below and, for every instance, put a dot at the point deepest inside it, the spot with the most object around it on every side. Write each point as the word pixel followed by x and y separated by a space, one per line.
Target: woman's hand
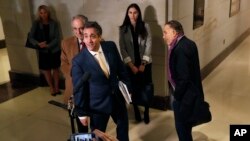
pixel 141 68
pixel 43 44
pixel 133 68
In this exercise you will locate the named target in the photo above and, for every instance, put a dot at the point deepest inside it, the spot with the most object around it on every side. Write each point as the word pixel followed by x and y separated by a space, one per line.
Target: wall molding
pixel 219 58
pixel 20 79
pixel 2 44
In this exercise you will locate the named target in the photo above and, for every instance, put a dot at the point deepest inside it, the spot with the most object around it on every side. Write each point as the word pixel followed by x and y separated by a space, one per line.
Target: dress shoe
pixel 146 117
pixel 137 114
pixel 138 117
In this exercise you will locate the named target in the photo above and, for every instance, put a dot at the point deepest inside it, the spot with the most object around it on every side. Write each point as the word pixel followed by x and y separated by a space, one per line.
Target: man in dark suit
pixel 184 76
pixel 100 97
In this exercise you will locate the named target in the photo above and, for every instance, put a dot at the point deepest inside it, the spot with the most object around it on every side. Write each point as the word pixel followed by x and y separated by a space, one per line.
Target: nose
pixel 134 15
pixel 87 39
pixel 78 31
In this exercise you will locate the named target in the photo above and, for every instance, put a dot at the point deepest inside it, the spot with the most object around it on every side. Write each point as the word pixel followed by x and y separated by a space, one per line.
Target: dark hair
pixel 176 26
pixel 95 25
pixel 140 25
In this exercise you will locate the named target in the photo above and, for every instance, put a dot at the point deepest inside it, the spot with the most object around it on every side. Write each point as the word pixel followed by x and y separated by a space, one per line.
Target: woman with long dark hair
pixel 135 46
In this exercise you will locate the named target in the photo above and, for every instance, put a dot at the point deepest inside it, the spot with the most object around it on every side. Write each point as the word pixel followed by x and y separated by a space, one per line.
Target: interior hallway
pixel 30 117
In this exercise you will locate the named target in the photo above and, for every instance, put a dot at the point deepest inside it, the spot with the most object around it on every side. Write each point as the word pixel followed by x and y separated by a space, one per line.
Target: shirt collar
pixel 95 52
pixel 79 40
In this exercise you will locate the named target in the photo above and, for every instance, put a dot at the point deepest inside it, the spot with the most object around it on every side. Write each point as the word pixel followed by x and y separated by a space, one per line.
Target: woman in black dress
pixel 46 36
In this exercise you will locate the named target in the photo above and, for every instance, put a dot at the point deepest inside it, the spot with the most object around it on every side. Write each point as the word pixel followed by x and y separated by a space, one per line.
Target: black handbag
pixel 28 44
pixel 37 36
pixel 201 113
pixel 143 95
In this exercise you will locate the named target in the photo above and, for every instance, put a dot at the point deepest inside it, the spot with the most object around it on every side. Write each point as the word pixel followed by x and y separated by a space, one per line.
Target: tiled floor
pixel 30 117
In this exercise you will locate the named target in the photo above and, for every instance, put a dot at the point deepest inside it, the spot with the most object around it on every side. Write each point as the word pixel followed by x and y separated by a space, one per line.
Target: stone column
pixel 16 20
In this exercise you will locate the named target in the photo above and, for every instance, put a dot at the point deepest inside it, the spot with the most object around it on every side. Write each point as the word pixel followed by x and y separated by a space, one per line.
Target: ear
pixel 174 33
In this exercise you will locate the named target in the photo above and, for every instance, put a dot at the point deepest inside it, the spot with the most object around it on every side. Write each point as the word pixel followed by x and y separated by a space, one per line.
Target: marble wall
pixel 217 33
pixel 16 22
pixel 219 30
pixel 2 37
pixel 110 15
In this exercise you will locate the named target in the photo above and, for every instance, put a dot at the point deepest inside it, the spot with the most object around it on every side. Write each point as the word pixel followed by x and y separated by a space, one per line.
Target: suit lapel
pixel 130 36
pixel 108 56
pixel 106 53
pixel 75 45
pixel 90 60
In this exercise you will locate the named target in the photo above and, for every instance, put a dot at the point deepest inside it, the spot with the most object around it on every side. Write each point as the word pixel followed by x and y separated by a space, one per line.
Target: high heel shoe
pixel 52 92
pixel 58 93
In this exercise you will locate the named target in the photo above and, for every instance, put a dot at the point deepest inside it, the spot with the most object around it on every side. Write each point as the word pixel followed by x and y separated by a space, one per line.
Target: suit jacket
pixel 100 91
pixel 70 48
pixel 185 71
pixel 37 35
pixel 127 45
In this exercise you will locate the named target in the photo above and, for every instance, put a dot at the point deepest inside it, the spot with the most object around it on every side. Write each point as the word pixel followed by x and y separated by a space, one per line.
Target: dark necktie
pixel 82 45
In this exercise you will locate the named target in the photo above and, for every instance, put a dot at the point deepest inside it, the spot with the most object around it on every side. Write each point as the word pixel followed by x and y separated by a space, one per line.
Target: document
pixel 124 90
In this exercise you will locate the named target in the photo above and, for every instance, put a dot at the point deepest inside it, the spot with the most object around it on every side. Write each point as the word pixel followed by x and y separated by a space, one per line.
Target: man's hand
pixel 141 68
pixel 84 120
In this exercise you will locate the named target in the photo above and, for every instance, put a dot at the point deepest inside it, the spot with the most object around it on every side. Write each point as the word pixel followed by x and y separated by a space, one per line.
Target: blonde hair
pixel 43 7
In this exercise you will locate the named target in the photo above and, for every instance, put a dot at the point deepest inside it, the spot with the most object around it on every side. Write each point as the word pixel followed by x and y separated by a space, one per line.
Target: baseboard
pixel 160 102
pixel 19 79
pixel 2 44
pixel 218 59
